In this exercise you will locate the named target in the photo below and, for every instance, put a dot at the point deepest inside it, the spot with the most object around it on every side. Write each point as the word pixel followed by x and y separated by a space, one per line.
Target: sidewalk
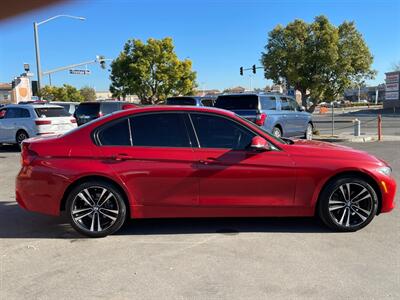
pixel 346 137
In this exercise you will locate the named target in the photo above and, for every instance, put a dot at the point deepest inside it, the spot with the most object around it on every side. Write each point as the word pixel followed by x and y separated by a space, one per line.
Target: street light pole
pixel 37 49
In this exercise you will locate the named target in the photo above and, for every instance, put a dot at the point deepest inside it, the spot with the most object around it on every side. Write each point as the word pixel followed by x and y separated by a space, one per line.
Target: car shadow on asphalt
pixel 15 222
pixel 6 148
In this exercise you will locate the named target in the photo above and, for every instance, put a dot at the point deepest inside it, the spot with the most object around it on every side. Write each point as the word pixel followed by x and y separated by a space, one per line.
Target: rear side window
pixel 115 134
pixel 285 104
pixel 51 112
pixel 181 101
pixel 294 105
pixel 237 102
pixel 108 108
pixel 160 130
pixel 268 103
pixel 13 113
pixel 88 109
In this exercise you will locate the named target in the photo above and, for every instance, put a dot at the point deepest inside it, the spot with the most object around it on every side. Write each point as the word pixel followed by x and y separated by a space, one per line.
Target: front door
pixel 156 161
pixel 230 174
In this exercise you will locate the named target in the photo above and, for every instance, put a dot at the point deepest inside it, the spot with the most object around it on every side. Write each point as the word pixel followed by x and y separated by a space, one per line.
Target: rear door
pixel 4 133
pixel 302 117
pixel 15 118
pixel 156 161
pixel 289 118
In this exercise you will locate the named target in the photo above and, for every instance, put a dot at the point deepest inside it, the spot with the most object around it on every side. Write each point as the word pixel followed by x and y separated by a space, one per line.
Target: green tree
pixel 65 93
pixel 152 71
pixel 318 59
pixel 396 66
pixel 88 93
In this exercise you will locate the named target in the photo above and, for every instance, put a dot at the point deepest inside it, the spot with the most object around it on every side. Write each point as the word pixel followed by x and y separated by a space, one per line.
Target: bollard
pixel 379 127
pixel 357 127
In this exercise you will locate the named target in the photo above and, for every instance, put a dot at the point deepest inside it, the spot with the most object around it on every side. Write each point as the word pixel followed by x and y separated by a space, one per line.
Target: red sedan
pixel 169 162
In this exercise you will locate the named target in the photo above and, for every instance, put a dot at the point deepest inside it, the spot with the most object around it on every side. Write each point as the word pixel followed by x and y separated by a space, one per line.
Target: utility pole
pixel 37 50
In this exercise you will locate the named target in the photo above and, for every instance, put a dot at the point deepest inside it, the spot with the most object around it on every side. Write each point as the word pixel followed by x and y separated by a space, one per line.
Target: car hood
pixel 330 151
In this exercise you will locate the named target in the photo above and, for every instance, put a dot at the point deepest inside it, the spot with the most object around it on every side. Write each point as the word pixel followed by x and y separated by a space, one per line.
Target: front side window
pixel 219 132
pixel 115 134
pixel 13 113
pixel 207 102
pixel 294 105
pixel 108 108
pixel 160 130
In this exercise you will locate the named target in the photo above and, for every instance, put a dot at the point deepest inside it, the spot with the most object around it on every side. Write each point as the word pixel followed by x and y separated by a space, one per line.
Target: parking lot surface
pixel 291 258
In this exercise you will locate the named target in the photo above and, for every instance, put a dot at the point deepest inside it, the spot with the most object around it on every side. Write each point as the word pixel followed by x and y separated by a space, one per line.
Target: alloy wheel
pixel 95 209
pixel 350 205
pixel 21 137
pixel 277 132
pixel 309 132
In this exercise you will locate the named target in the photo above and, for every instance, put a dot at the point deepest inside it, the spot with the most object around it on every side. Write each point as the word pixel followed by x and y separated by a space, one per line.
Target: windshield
pixel 282 141
pixel 181 101
pixel 88 109
pixel 237 102
pixel 51 112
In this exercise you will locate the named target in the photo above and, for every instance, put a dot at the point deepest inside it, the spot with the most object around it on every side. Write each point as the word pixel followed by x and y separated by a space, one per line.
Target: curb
pixel 355 139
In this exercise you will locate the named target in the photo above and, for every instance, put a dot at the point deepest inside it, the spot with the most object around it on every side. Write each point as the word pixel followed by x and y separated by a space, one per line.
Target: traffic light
pixel 241 71
pixel 254 69
pixel 101 60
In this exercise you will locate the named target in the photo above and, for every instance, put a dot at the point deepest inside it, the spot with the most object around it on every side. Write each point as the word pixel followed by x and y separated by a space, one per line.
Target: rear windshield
pixel 51 112
pixel 237 102
pixel 181 101
pixel 88 109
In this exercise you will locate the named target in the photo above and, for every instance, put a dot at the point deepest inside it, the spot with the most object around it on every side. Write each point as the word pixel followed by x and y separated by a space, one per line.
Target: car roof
pixel 34 106
pixel 62 102
pixel 255 94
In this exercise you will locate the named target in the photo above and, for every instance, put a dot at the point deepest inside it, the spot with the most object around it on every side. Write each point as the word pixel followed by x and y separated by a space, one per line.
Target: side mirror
pixel 259 143
pixel 302 108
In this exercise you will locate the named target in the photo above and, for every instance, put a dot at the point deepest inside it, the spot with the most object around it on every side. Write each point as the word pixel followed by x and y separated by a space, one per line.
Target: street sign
pixel 79 72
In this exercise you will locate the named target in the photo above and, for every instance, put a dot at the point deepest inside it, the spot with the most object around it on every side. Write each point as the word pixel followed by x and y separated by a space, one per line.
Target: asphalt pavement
pixel 41 257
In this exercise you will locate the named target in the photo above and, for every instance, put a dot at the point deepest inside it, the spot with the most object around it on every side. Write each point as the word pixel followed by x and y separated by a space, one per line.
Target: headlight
pixel 385 170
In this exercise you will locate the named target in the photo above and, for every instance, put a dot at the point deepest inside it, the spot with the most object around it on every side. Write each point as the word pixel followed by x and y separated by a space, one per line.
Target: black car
pixel 88 111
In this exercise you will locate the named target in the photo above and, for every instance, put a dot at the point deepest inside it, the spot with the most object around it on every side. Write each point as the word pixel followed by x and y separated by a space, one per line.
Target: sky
pixel 218 36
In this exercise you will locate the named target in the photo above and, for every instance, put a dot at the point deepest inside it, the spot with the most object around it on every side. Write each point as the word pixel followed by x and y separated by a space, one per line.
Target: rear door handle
pixel 208 160
pixel 122 156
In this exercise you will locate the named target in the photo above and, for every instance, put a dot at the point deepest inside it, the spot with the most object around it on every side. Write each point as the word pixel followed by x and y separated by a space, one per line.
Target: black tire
pixel 277 131
pixel 341 212
pixel 308 134
pixel 97 214
pixel 20 136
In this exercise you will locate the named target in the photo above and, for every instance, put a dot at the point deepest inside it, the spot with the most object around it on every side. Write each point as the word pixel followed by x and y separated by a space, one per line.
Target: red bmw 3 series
pixel 170 162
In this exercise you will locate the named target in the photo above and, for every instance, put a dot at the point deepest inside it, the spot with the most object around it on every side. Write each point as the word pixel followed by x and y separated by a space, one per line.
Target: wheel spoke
pixel 101 196
pixel 77 211
pixel 343 193
pixel 359 194
pixel 80 195
pixel 89 196
pixel 108 197
pixel 110 210
pixel 336 202
pixel 85 215
pixel 360 215
pixel 92 224
pixel 365 197
pixel 98 223
pixel 108 216
pixel 366 212
pixel 342 218
pixel 348 218
pixel 332 208
pixel 348 191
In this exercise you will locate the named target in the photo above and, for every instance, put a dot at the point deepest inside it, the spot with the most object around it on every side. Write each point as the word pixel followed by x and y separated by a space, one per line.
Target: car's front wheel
pixel 276 131
pixel 348 204
pixel 308 135
pixel 96 209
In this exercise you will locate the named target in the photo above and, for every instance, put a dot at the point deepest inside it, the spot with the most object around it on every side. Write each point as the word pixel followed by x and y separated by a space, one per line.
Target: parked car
pixel 88 111
pixel 191 100
pixel 69 107
pixel 173 162
pixel 278 114
pixel 19 122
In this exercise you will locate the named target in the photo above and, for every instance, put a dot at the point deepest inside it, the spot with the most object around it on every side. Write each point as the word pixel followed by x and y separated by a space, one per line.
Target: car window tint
pixel 181 101
pixel 88 109
pixel 12 113
pixel 116 134
pixel 3 113
pixel 207 102
pixel 285 104
pixel 51 112
pixel 294 105
pixel 268 103
pixel 24 113
pixel 219 132
pixel 159 130
pixel 237 102
pixel 108 108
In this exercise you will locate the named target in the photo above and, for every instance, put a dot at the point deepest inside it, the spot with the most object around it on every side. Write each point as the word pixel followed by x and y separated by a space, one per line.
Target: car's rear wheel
pixel 96 209
pixel 308 135
pixel 21 136
pixel 276 131
pixel 348 204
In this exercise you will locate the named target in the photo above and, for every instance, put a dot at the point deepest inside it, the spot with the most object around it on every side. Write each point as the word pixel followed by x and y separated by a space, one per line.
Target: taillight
pixel 27 155
pixel 100 114
pixel 260 119
pixel 42 122
pixel 73 120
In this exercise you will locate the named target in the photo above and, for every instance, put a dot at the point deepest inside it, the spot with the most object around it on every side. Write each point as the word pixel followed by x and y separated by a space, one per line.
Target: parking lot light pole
pixel 37 48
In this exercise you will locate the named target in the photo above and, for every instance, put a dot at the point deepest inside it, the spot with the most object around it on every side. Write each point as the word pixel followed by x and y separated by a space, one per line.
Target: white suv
pixel 18 122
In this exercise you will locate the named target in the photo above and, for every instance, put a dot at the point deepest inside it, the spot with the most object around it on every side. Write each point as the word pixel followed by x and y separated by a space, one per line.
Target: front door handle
pixel 122 156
